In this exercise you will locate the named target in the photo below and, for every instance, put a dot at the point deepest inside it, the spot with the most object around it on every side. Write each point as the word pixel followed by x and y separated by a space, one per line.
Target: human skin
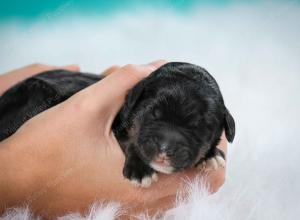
pixel 66 158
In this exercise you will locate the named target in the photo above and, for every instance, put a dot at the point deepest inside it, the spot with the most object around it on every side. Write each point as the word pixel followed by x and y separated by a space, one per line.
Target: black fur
pixel 178 110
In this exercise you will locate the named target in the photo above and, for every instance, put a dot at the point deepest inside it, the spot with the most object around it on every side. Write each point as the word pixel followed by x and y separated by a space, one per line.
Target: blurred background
pixel 252 48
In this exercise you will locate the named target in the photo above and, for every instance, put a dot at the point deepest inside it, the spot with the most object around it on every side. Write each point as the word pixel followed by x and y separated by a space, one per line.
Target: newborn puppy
pixel 170 121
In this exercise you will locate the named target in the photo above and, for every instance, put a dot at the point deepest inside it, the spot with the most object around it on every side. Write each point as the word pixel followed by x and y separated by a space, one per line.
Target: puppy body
pixel 36 94
pixel 173 120
pixel 170 121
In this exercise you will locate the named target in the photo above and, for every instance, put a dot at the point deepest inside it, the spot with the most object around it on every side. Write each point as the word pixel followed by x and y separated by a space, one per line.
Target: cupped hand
pixel 67 157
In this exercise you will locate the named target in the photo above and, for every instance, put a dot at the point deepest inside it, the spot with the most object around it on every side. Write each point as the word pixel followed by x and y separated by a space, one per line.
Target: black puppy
pixel 170 121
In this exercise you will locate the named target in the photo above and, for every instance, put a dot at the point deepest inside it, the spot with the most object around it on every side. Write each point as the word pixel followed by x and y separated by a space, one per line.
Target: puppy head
pixel 175 122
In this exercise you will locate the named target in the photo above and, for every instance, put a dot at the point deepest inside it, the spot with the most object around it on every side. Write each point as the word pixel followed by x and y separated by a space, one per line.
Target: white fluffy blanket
pixel 253 52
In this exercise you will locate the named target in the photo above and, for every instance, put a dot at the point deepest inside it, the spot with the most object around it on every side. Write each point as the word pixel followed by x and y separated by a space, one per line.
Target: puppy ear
pixel 132 99
pixel 229 126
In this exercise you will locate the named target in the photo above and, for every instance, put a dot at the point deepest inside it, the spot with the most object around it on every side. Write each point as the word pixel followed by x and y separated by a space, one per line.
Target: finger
pixel 223 143
pixel 73 68
pixel 158 63
pixel 122 81
pixel 169 185
pixel 34 69
pixel 38 68
pixel 113 68
pixel 154 207
pixel 113 88
pixel 110 70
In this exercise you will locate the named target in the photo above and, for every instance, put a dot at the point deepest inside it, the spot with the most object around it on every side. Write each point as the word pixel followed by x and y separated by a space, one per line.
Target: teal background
pixel 33 9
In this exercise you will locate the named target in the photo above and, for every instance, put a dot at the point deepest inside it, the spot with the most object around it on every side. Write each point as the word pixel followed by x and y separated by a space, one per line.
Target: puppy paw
pixel 145 181
pixel 213 163
pixel 139 174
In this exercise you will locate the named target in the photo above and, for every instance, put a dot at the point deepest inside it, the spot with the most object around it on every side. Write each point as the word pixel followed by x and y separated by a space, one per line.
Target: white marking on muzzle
pixel 161 168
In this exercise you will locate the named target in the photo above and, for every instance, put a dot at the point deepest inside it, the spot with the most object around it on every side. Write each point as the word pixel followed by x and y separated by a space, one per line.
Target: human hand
pixel 67 157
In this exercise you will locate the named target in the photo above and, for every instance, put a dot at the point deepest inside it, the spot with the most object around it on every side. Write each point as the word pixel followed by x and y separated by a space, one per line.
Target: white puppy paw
pixel 212 163
pixel 146 181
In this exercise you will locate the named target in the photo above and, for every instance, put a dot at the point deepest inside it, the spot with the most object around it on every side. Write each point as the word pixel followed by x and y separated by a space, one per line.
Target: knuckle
pixel 36 65
pixel 132 72
pixel 111 69
pixel 80 103
pixel 130 68
pixel 137 72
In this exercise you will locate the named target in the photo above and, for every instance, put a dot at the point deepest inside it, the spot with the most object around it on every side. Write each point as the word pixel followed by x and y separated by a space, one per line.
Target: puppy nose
pixel 162 159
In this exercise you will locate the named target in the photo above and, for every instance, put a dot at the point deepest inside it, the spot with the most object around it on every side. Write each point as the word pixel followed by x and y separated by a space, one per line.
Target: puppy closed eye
pixel 156 113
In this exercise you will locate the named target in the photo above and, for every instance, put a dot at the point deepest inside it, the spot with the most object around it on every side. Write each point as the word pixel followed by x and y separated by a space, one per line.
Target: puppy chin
pixel 162 168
